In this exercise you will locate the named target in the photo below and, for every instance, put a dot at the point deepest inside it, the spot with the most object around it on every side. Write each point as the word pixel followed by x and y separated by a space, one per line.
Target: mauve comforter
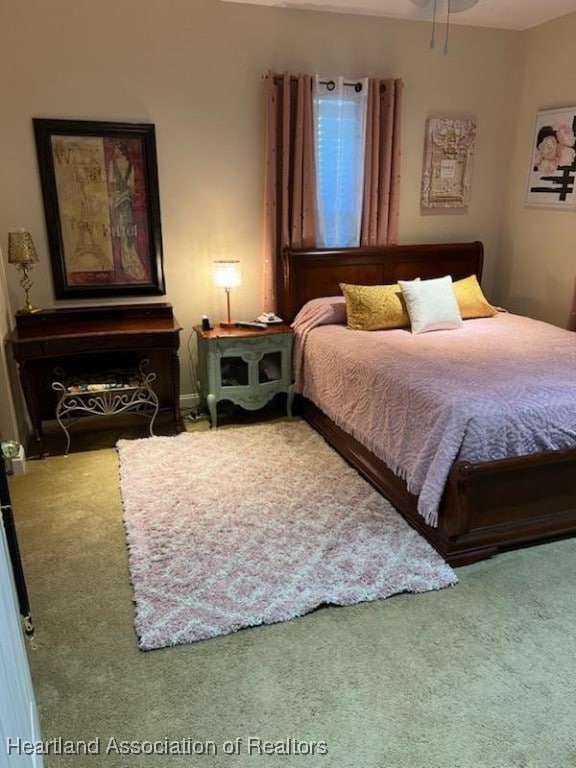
pixel 497 387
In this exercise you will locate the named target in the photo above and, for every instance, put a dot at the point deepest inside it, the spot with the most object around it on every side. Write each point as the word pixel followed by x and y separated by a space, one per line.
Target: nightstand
pixel 245 366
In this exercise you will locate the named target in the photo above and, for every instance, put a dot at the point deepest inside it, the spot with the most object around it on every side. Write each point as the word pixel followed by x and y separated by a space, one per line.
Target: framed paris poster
pixel 100 192
pixel 552 171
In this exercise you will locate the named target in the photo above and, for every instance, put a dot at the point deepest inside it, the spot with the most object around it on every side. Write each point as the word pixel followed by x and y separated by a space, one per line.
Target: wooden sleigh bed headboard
pixel 307 274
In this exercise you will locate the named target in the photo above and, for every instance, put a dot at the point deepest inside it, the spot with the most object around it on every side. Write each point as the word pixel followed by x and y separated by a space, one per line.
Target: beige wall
pixel 194 68
pixel 537 255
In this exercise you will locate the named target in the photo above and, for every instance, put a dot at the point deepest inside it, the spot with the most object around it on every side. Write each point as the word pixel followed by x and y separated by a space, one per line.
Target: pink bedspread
pixel 497 387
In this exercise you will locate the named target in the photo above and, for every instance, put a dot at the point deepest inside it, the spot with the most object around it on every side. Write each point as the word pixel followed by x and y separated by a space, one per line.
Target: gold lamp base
pixel 26 283
pixel 28 309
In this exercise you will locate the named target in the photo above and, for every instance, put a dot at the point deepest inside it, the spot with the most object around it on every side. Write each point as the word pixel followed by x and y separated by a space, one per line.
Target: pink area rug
pixel 254 525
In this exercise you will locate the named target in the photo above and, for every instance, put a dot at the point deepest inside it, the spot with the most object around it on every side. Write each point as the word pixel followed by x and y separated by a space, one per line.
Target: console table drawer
pixel 55 347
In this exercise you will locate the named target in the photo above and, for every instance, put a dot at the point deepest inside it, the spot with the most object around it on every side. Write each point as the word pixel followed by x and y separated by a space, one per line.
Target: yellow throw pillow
pixel 471 300
pixel 375 307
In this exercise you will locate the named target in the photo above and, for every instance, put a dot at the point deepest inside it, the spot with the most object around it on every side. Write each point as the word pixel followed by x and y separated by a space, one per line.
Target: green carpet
pixel 478 676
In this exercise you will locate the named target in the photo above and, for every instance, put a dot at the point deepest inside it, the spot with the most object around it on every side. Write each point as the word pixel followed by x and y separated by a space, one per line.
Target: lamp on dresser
pixel 22 253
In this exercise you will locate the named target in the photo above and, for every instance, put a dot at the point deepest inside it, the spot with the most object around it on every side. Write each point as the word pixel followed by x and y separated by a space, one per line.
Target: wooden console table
pixel 94 338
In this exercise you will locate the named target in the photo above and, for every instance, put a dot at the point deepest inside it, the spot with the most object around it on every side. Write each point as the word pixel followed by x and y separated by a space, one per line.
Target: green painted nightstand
pixel 248 367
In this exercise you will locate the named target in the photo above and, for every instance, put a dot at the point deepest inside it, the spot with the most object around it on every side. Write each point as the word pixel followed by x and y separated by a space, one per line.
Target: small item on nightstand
pixel 269 317
pixel 206 323
pixel 251 324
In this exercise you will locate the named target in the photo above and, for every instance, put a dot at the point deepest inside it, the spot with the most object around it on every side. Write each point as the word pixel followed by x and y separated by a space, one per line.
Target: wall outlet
pixel 17 464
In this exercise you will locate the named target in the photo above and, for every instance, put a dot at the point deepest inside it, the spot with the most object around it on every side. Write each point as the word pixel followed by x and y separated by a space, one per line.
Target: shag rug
pixel 254 525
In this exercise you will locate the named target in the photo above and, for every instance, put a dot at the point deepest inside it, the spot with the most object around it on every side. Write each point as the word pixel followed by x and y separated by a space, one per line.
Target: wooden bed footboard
pixel 486 507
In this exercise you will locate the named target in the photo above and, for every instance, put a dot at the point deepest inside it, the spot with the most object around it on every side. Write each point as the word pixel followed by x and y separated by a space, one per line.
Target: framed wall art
pixel 100 191
pixel 553 160
pixel 448 151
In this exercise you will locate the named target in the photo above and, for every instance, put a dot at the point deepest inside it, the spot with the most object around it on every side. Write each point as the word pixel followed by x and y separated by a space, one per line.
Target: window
pixel 339 114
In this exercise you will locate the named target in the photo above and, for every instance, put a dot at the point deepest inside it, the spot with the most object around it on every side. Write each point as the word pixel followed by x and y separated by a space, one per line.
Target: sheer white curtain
pixel 339 112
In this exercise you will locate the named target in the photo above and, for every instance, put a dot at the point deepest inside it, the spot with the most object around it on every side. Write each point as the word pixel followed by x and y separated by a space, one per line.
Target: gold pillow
pixel 375 307
pixel 471 300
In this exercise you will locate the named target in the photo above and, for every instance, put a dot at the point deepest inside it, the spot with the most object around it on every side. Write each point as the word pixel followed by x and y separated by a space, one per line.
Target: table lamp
pixel 22 253
pixel 227 275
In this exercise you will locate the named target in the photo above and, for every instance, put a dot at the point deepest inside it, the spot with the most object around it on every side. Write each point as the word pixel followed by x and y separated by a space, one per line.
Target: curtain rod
pixel 329 83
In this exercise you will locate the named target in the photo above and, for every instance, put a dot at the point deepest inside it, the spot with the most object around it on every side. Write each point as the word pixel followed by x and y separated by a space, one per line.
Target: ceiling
pixel 502 14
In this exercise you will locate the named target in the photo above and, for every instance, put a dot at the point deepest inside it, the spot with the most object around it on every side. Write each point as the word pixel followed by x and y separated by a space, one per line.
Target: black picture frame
pixel 99 185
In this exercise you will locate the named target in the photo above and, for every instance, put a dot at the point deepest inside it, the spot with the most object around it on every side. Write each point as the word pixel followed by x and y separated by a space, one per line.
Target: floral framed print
pixel 100 192
pixel 447 172
pixel 553 160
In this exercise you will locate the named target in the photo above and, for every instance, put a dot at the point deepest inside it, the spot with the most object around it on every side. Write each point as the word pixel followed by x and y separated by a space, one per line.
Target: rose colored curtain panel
pixel 382 169
pixel 289 215
pixel 290 189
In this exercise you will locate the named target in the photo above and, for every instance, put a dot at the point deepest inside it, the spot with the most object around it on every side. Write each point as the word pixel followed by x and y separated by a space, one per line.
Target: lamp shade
pixel 21 248
pixel 227 274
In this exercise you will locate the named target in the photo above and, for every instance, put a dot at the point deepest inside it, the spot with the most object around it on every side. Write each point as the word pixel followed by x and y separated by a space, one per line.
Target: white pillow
pixel 431 304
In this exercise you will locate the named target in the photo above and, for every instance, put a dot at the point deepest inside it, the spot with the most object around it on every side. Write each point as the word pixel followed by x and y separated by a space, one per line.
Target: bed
pixel 484 506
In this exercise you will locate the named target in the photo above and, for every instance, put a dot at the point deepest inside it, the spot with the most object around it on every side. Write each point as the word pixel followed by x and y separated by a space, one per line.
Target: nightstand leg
pixel 290 400
pixel 211 403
